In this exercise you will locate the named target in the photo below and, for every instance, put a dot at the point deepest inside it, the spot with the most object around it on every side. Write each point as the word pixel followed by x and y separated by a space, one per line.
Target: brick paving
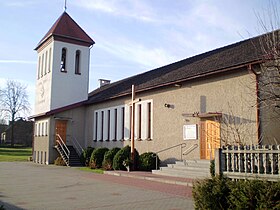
pixel 33 186
pixel 179 190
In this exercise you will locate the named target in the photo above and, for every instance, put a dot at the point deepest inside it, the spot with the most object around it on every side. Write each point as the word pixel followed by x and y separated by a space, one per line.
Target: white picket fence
pixel 249 162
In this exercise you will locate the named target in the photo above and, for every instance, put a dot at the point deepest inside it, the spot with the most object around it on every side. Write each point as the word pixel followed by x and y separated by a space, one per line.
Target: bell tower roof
pixel 67 30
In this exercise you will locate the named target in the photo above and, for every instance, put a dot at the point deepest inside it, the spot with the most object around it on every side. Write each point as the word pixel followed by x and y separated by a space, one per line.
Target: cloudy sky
pixel 132 36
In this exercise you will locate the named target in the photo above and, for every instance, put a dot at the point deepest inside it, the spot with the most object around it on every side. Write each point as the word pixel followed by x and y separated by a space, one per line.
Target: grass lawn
pixel 9 154
pixel 97 171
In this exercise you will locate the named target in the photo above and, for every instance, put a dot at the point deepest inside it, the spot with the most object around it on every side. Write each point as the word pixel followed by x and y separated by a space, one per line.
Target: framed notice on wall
pixel 190 132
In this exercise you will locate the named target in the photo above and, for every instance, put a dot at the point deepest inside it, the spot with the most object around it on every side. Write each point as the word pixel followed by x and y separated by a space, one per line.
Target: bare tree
pixel 14 102
pixel 269 78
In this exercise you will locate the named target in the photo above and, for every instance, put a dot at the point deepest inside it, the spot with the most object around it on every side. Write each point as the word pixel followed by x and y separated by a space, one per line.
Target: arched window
pixel 77 62
pixel 63 60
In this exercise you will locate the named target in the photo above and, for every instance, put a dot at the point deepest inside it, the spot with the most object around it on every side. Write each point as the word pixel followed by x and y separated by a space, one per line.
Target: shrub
pixel 97 157
pixel 85 157
pixel 211 193
pixel 212 168
pixel 223 193
pixel 123 155
pixel 107 163
pixel 255 194
pixel 59 161
pixel 147 161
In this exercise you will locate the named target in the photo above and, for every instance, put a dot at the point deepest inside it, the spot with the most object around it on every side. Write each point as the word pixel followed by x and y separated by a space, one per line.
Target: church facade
pixel 201 103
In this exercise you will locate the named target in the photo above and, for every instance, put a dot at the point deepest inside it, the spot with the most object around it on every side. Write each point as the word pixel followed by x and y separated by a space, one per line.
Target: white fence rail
pixel 247 162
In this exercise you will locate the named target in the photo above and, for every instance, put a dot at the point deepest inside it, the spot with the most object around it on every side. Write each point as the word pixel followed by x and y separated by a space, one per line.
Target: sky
pixel 132 36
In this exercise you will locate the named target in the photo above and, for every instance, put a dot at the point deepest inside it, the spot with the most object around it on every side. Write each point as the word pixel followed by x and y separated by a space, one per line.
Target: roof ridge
pixel 214 61
pixel 66 27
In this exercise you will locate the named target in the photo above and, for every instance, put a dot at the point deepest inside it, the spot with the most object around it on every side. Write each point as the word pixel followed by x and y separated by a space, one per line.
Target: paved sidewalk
pixel 33 186
pixel 153 177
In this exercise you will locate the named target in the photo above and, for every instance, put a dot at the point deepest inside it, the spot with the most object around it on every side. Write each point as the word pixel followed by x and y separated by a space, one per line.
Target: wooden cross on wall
pixel 132 124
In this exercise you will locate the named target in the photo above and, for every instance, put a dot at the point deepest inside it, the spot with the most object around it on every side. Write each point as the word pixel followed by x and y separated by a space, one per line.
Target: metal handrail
pixel 182 145
pixel 77 145
pixel 190 149
pixel 63 145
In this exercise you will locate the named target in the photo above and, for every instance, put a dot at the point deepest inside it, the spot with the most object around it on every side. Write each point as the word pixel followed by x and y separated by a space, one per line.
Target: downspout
pixel 250 68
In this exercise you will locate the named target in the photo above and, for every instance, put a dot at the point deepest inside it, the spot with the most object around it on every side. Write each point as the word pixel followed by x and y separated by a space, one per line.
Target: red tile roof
pixel 66 29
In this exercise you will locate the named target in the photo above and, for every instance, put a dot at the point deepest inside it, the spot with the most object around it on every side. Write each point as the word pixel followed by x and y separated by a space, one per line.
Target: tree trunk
pixel 12 131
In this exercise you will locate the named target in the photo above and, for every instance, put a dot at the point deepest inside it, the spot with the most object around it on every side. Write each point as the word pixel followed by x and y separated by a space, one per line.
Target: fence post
pixel 218 161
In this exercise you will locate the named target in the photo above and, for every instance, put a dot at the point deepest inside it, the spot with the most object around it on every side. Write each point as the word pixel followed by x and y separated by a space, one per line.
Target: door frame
pixel 209 141
pixel 63 134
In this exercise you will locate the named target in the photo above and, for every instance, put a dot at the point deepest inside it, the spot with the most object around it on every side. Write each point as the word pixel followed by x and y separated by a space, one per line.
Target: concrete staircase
pixel 74 159
pixel 193 169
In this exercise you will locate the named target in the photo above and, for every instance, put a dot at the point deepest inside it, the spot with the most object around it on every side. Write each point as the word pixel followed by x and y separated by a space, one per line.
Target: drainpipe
pixel 250 68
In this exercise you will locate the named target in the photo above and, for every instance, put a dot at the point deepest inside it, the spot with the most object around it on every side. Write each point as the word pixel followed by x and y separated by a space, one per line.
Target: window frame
pixel 78 62
pixel 63 60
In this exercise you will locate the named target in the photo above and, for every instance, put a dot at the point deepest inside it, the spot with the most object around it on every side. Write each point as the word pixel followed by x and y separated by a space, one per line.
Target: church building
pixel 199 103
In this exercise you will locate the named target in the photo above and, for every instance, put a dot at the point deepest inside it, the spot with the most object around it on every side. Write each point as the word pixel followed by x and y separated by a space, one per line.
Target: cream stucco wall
pixel 41 146
pixel 232 94
pixel 268 103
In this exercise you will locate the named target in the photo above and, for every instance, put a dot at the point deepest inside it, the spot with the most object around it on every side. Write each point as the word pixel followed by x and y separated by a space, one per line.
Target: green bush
pixel 211 193
pixel 85 157
pixel 147 161
pixel 212 168
pixel 107 163
pixel 223 193
pixel 255 194
pixel 123 155
pixel 97 157
pixel 59 161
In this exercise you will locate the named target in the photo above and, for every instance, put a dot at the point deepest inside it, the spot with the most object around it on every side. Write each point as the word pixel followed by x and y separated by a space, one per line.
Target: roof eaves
pixel 60 109
pixel 257 61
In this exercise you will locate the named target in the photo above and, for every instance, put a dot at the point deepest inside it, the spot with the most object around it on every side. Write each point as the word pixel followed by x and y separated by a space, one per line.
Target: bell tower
pixel 63 66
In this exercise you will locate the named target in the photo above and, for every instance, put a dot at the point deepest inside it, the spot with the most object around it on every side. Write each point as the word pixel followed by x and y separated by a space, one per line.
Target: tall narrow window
pixel 139 121
pixel 46 128
pixel 39 67
pixel 39 129
pixel 46 62
pixel 122 123
pixel 63 60
pixel 77 62
pixel 149 136
pixel 102 125
pixel 50 59
pixel 116 124
pixel 109 124
pixel 42 65
pixel 43 128
pixel 96 125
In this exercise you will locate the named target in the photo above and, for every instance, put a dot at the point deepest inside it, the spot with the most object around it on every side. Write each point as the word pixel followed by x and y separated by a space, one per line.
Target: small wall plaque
pixel 190 132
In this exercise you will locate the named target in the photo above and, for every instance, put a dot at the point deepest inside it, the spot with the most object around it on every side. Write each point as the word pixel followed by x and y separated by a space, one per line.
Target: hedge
pixel 85 157
pixel 97 157
pixel 147 161
pixel 107 163
pixel 223 193
pixel 123 155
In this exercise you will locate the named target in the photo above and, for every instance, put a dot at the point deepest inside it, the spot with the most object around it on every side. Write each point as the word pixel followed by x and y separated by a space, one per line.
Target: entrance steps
pixel 74 159
pixel 193 169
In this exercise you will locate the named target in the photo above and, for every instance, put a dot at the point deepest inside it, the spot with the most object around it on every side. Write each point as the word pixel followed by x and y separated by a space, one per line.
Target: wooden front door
pixel 60 129
pixel 209 138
